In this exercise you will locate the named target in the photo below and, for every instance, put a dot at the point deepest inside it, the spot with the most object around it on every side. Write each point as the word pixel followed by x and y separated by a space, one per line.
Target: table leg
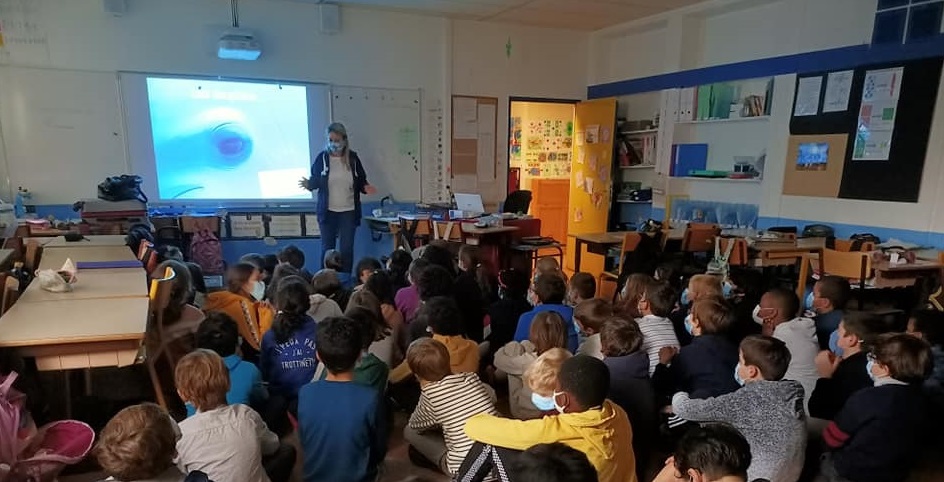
pixel 578 246
pixel 67 385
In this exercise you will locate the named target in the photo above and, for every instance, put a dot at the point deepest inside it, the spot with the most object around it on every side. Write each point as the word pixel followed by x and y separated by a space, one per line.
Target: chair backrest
pixel 11 292
pixel 160 292
pixel 517 202
pixel 700 239
pixel 854 265
pixel 784 230
pixel 703 226
pixel 31 257
pixel 413 230
pixel 447 231
pixel 630 243
pixel 738 252
pixel 847 245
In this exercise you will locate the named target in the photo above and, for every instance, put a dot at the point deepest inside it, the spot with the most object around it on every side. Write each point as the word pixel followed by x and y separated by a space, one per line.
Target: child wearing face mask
pixel 767 410
pixel 843 376
pixel 876 436
pixel 589 316
pixel 513 359
pixel 541 379
pixel 699 287
pixel 777 315
pixel 826 301
pixel 242 301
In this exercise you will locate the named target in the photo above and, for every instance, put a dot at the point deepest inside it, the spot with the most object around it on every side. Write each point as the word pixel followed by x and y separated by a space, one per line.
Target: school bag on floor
pixel 206 250
pixel 31 455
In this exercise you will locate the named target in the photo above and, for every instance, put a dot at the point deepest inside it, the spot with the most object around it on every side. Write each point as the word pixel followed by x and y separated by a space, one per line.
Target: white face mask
pixel 756 315
pixel 557 407
pixel 336 147
pixel 258 290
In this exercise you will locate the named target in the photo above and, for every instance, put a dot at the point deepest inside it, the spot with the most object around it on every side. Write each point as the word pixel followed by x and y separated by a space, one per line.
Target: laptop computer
pixel 470 203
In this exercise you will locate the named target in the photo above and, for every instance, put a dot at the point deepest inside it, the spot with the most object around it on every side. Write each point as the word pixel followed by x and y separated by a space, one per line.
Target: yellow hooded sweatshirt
pixel 603 434
pixel 253 318
pixel 463 357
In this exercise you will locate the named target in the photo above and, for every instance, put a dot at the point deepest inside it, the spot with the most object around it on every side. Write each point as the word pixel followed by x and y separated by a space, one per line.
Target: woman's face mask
pixel 336 146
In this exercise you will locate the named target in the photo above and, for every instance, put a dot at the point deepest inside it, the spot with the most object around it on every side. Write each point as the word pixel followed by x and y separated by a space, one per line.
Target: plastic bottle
pixel 19 209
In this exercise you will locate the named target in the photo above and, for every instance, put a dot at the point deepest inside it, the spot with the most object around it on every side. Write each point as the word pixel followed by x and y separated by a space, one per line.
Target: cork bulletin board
pixel 474 131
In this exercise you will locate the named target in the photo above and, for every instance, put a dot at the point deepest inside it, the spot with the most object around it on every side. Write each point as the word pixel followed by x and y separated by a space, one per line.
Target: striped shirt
pixel 448 404
pixel 657 332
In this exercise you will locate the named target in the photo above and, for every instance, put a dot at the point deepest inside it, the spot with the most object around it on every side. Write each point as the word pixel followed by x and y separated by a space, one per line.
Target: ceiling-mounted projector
pixel 239 44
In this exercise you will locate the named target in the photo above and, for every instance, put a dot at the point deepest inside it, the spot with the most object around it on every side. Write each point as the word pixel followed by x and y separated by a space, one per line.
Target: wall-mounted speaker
pixel 115 7
pixel 330 18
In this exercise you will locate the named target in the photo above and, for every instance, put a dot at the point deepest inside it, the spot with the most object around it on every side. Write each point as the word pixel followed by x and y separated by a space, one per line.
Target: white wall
pixel 725 31
pixel 374 49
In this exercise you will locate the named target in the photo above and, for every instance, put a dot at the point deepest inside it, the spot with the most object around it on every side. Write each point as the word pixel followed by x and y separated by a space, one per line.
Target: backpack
pixel 31 455
pixel 206 250
pixel 122 188
pixel 719 264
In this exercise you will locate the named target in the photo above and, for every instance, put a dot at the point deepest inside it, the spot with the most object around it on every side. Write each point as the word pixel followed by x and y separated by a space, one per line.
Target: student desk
pixel 54 257
pixel 596 243
pixel 101 284
pixel 92 241
pixel 904 275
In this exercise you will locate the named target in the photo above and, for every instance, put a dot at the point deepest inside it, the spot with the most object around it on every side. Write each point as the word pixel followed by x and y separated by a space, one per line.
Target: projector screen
pixel 201 140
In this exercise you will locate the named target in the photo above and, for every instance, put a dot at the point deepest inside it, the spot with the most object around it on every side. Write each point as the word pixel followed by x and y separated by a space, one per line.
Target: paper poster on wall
pixel 581 140
pixel 807 96
pixel 588 185
pixel 877 114
pixel 312 228
pixel 578 215
pixel 838 89
pixel 246 226
pixel 592 134
pixel 579 178
pixel 285 226
pixel 465 116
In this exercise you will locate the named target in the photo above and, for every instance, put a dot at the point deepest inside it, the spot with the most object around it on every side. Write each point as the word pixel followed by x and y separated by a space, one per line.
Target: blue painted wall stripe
pixel 817 61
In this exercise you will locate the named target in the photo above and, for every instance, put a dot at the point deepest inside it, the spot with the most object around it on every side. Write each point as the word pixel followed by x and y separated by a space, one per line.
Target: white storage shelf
pixel 718 121
pixel 720 179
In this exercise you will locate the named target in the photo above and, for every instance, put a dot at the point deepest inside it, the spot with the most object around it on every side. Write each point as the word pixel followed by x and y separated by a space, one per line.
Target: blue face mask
pixel 726 289
pixel 808 302
pixel 684 299
pixel 336 147
pixel 834 344
pixel 544 404
pixel 688 324
pixel 868 369
pixel 737 375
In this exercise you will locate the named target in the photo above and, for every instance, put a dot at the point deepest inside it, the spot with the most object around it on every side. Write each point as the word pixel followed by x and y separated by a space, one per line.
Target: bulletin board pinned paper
pixel 474 134
pixel 814 165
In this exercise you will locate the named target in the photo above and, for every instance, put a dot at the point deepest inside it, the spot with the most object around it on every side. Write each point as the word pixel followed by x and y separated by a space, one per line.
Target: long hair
pixel 292 303
pixel 469 256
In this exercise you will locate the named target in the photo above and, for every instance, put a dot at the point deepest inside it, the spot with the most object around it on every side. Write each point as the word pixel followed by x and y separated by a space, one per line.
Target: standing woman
pixel 338 176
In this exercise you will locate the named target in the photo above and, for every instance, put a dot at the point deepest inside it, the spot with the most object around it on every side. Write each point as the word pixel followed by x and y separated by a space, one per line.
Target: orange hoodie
pixel 252 317
pixel 463 357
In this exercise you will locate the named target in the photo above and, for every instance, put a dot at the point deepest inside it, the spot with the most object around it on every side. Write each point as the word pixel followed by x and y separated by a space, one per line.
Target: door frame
pixel 540 100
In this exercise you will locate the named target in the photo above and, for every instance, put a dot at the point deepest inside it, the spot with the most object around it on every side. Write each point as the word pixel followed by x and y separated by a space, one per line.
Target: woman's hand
pixel 303 183
pixel 369 189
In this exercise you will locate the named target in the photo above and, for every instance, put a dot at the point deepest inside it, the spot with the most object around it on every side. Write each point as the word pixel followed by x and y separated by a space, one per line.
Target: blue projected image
pixel 229 140
pixel 813 156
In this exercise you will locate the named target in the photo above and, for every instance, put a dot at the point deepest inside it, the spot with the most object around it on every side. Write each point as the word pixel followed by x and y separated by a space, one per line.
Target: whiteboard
pixel 62 132
pixel 383 127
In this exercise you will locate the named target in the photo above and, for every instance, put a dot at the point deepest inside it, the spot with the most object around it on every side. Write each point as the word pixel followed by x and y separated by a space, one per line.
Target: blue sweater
pixel 341 429
pixel 566 312
pixel 703 369
pixel 289 365
pixel 245 384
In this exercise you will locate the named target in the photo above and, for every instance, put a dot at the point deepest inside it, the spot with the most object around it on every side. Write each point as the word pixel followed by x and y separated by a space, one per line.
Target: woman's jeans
pixel 339 225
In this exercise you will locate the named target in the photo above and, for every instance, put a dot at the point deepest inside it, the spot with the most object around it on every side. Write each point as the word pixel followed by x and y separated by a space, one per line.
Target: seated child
pixel 398 267
pixel 437 253
pixel 703 368
pixel 408 299
pixel 700 286
pixel 843 376
pixel 442 317
pixel 711 452
pixel 198 295
pixel 627 301
pixel 181 319
pixel 295 258
pixel 370 370
pixel 218 333
pixel 434 281
pixel 227 442
pixel 503 314
pixel 547 331
pixel 657 332
pixel 777 314
pixel 553 462
pixel 580 288
pixel 877 434
pixel 549 291
pixel 549 265
pixel 589 316
pixel 747 287
pixel 139 444
pixel 334 262
pixel 366 267
pixel 327 283
pixel 541 379
pixel 341 424
pixel 288 350
pixel 768 410
pixel 447 401
pixel 827 300
pixel 472 289
pixel 929 326
pixel 383 346
pixel 587 422
pixel 630 387
pixel 380 285
pixel 242 301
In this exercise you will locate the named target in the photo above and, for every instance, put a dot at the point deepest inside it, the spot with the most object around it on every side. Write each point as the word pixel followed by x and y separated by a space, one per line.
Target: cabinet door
pixel 549 204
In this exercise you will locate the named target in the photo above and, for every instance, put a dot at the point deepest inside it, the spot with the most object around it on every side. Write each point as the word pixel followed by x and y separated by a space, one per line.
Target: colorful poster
pixel 877 114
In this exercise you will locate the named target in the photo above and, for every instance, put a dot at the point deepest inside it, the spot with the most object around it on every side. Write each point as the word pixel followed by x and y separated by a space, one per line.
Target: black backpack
pixel 122 188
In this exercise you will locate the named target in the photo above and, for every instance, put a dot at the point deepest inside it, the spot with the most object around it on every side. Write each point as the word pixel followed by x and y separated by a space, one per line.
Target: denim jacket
pixel 319 181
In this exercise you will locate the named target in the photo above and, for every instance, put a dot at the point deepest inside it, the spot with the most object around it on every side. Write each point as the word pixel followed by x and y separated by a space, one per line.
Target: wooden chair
pixel 845 245
pixel 32 255
pixel 738 252
pixel 700 238
pixel 448 231
pixel 11 292
pixel 155 343
pixel 630 242
pixel 855 266
pixel 414 233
